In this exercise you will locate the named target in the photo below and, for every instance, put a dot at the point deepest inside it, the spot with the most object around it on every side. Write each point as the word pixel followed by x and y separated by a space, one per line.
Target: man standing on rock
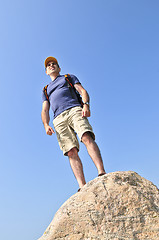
pixel 69 118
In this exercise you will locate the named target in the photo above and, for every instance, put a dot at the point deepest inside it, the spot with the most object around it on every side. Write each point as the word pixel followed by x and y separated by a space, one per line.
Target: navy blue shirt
pixel 61 97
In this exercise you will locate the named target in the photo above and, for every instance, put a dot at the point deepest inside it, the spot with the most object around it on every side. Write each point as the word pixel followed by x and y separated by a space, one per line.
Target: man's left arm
pixel 85 99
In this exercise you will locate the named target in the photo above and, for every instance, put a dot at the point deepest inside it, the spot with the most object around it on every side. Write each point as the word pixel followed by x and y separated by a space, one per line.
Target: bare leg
pixel 76 166
pixel 93 152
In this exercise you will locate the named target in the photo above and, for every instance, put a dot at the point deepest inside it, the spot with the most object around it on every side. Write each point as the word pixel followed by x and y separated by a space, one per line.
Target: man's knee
pixel 87 138
pixel 73 152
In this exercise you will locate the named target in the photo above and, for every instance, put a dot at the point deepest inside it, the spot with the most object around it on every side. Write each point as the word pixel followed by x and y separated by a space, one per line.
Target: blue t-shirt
pixel 61 97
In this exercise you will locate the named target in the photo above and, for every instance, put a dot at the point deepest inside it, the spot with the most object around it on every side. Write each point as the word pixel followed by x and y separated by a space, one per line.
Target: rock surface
pixel 117 206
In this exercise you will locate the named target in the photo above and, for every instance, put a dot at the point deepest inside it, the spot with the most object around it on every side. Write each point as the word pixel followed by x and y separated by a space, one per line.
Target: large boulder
pixel 117 206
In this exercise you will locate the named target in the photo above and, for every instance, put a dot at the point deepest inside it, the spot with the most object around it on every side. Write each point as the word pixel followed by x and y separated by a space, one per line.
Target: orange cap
pixel 50 59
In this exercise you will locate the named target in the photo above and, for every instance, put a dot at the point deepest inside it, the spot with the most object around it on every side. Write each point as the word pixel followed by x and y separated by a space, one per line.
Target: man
pixel 69 118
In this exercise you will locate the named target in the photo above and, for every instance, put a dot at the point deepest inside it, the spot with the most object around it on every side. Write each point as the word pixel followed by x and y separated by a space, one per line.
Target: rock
pixel 117 206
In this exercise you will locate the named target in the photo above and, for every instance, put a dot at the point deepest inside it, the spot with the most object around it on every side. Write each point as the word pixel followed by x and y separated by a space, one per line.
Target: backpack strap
pixel 68 79
pixel 45 92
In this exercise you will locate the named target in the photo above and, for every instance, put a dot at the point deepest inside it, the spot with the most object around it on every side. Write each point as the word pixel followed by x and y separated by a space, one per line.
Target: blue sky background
pixel 113 48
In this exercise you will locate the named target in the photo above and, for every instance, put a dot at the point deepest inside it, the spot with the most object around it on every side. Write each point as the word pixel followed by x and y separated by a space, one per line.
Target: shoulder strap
pixel 68 78
pixel 45 92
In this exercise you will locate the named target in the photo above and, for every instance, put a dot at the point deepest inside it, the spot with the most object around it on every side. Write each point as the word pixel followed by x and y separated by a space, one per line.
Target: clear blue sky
pixel 113 48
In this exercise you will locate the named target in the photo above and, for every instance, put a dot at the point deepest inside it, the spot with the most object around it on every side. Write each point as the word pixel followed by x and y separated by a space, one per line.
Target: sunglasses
pixel 51 64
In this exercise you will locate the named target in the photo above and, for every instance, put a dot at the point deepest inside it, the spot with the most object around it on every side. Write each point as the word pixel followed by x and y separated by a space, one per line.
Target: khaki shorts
pixel 67 124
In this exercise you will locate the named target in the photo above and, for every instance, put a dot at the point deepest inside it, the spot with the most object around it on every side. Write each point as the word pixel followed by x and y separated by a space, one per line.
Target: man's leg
pixel 93 152
pixel 76 166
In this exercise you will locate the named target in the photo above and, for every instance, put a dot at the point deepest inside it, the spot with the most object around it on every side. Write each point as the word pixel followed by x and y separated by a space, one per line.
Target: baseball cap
pixel 49 59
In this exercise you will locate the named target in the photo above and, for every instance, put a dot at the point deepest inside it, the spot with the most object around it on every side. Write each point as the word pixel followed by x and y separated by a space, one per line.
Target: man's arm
pixel 46 118
pixel 85 98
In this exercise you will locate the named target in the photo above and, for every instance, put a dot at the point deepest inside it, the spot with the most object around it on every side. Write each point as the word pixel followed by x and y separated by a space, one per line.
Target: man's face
pixel 52 67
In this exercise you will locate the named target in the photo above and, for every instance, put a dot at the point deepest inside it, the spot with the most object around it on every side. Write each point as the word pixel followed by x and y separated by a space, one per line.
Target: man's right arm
pixel 46 118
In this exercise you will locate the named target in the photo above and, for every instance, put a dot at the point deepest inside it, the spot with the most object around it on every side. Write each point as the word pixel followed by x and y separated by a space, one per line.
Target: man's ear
pixel 59 69
pixel 46 71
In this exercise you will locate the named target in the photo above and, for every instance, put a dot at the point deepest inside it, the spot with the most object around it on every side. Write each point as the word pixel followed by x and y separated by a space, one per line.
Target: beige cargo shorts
pixel 67 124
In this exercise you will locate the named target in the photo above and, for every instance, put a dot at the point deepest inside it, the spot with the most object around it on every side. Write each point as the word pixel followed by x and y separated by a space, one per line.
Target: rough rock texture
pixel 118 206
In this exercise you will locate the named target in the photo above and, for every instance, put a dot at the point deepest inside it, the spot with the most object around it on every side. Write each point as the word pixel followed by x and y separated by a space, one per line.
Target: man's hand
pixel 49 130
pixel 46 118
pixel 86 111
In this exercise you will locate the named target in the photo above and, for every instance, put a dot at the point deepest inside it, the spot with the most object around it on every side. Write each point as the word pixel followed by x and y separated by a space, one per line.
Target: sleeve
pixel 43 97
pixel 74 79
